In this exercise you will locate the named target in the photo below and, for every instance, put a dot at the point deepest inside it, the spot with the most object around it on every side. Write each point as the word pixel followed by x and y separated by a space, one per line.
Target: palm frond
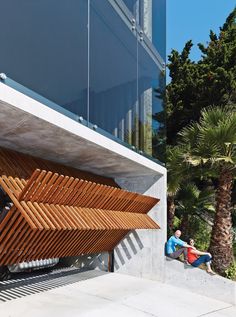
pixel 212 140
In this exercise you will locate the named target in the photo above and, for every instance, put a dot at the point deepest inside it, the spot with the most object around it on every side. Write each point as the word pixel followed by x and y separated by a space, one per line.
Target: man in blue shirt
pixel 173 242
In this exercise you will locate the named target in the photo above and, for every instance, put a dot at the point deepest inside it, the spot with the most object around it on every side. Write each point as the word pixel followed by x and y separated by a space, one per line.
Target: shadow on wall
pixel 88 262
pixel 130 246
pixel 138 184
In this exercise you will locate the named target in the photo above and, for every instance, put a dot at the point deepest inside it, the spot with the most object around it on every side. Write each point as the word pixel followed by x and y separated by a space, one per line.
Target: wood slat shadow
pixel 25 285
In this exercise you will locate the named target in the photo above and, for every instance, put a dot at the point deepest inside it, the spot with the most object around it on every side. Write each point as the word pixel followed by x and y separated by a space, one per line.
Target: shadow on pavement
pixel 27 284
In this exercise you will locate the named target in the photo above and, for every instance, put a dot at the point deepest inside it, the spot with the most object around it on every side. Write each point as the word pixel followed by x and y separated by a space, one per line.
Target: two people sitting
pixel 192 256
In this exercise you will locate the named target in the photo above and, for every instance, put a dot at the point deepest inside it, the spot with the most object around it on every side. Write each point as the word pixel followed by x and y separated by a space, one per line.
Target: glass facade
pixel 97 59
pixel 113 56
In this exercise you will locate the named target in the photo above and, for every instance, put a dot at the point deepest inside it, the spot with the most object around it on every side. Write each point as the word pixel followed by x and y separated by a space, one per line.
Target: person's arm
pixel 189 246
pixel 198 252
pixel 183 243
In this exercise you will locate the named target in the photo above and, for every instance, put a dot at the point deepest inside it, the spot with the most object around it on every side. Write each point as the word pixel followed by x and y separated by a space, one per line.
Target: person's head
pixel 177 233
pixel 191 241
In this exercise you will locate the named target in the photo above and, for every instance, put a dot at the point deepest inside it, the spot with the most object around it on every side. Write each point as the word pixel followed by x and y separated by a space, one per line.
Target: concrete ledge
pixel 30 127
pixel 198 281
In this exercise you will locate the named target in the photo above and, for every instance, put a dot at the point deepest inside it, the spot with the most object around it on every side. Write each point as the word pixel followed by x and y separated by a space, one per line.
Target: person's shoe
pixel 186 262
pixel 211 272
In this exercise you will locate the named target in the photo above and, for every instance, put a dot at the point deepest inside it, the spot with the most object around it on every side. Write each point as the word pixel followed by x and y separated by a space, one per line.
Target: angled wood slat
pixel 47 187
pixel 55 215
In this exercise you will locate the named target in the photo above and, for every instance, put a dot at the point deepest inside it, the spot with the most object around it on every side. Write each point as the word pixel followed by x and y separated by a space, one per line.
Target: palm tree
pixel 195 203
pixel 212 142
pixel 177 173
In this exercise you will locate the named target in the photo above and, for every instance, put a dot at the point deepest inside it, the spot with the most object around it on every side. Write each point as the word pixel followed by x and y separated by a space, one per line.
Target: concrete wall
pixel 141 252
pixel 198 281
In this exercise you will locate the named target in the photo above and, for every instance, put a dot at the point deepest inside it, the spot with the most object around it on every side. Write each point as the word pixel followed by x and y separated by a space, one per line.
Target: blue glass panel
pixel 44 47
pixel 113 71
pixel 132 6
pixel 159 26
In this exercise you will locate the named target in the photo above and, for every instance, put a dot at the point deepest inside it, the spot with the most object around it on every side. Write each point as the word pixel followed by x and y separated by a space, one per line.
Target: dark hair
pixel 189 239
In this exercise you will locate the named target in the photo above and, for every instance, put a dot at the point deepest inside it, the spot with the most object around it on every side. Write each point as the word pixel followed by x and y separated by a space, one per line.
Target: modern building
pixel 81 87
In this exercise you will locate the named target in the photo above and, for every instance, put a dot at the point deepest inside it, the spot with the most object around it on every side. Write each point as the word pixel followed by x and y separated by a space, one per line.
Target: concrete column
pixel 121 129
pixel 128 127
pixel 146 121
pixel 147 18
pixel 136 11
pixel 141 252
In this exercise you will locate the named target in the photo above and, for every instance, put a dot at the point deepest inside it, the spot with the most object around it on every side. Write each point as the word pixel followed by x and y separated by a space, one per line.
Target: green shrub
pixel 200 232
pixel 230 273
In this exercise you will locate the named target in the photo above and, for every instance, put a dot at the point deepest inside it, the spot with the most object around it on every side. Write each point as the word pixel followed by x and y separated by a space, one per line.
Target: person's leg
pixel 185 254
pixel 208 265
pixel 177 253
pixel 202 259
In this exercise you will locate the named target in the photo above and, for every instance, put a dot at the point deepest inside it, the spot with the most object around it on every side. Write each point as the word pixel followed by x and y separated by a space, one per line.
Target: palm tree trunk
pixel 221 246
pixel 170 211
pixel 184 226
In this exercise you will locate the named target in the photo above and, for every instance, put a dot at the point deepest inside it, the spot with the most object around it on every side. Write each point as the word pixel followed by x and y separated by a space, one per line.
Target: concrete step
pixel 199 281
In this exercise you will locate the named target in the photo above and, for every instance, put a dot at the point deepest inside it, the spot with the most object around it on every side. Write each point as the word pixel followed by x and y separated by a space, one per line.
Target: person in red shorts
pixel 196 257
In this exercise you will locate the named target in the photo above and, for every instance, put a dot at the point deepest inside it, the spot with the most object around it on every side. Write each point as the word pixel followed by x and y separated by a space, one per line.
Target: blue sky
pixel 192 19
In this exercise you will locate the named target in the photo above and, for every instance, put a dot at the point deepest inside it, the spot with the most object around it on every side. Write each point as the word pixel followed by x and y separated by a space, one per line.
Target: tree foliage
pixel 211 142
pixel 201 129
pixel 196 85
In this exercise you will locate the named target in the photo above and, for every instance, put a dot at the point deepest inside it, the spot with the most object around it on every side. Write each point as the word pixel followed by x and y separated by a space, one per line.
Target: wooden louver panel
pixel 58 216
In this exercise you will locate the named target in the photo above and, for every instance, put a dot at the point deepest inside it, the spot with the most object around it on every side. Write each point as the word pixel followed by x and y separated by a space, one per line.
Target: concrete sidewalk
pixel 115 295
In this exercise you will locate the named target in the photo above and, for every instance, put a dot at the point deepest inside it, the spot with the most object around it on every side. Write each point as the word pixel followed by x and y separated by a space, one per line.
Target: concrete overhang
pixel 29 126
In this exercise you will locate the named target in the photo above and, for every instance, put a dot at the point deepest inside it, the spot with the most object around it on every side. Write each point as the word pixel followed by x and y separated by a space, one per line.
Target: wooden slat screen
pixel 57 216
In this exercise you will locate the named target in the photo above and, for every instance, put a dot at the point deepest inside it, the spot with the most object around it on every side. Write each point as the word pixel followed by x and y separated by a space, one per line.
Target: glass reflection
pixel 159 26
pixel 150 88
pixel 44 47
pixel 113 71
pixel 51 57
